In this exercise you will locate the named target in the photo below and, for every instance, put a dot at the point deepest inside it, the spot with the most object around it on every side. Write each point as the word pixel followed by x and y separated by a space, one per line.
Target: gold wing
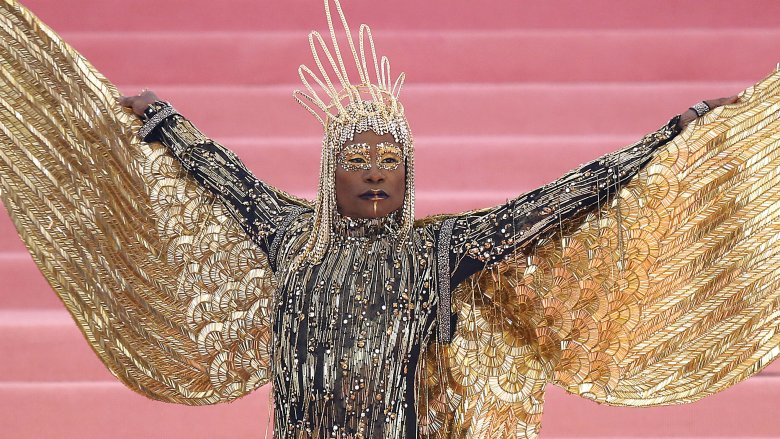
pixel 669 292
pixel 166 287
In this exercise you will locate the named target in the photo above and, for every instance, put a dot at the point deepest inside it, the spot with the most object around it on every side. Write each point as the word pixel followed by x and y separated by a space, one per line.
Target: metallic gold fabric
pixel 166 287
pixel 665 295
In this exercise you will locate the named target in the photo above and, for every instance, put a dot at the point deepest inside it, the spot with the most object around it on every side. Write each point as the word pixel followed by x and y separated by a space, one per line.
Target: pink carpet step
pixel 456 110
pixel 748 409
pixel 427 203
pixel 57 410
pixel 507 165
pixel 109 410
pixel 23 287
pixel 9 240
pixel 454 174
pixel 46 346
pixel 152 15
pixel 260 58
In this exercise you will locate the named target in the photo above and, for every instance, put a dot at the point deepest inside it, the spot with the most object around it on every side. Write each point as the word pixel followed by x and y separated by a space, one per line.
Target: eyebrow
pixel 356 146
pixel 390 146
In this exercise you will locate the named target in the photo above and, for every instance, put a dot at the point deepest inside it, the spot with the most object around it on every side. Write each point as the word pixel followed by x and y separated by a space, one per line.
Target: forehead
pixel 372 138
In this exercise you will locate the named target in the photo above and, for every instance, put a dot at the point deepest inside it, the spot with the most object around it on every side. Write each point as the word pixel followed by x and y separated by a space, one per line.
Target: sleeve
pixel 162 281
pixel 488 236
pixel 258 208
pixel 469 242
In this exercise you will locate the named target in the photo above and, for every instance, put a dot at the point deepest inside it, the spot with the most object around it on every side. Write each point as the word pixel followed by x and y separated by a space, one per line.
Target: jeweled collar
pixel 367 227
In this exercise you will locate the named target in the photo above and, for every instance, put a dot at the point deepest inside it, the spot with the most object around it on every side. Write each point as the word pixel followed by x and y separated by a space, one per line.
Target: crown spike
pixel 302 72
pixel 385 68
pixel 297 94
pixel 334 40
pixel 350 40
pixel 316 36
pixel 336 93
pixel 365 32
pixel 375 96
pixel 399 82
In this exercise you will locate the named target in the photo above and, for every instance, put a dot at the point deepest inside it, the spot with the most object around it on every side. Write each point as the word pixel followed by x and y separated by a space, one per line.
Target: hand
pixel 139 103
pixel 690 115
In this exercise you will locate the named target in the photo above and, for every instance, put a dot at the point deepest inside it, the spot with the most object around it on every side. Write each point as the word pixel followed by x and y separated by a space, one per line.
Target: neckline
pixel 367 227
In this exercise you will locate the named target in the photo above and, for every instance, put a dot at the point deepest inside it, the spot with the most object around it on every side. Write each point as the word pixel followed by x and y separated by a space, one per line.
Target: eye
pixel 358 160
pixel 390 160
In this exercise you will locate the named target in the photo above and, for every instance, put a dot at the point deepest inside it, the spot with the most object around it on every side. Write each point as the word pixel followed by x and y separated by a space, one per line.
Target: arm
pixel 469 242
pixel 259 208
pixel 478 238
pixel 488 236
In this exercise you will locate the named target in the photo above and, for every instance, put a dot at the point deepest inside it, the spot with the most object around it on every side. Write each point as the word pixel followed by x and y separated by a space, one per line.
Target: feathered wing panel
pixel 667 293
pixel 677 281
pixel 166 287
pixel 489 381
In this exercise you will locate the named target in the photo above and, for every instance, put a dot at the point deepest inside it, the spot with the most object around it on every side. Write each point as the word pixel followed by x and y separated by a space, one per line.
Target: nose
pixel 374 175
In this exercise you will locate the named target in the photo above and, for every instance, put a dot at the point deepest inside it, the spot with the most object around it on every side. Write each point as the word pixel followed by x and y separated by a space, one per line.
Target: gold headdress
pixel 345 109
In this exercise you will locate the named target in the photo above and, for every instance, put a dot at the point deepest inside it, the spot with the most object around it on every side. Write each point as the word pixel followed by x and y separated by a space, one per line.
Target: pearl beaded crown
pixel 327 99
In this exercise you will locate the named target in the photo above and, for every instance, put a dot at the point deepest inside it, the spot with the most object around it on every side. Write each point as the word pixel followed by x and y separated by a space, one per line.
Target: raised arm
pixel 469 242
pixel 476 239
pixel 259 208
pixel 487 236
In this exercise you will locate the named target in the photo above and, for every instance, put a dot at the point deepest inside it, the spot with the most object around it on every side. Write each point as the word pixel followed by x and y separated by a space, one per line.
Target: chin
pixel 367 212
pixel 380 213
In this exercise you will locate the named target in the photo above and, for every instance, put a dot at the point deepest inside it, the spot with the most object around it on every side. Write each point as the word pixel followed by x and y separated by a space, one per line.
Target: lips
pixel 374 195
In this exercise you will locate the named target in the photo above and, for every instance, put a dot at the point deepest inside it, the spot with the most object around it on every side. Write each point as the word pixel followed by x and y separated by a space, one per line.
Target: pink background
pixel 503 96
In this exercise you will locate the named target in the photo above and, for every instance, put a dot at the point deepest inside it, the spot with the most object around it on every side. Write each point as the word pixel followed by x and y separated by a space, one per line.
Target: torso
pixel 349 333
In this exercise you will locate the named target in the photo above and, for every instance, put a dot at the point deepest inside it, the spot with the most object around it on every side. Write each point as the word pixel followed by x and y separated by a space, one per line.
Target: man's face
pixel 370 176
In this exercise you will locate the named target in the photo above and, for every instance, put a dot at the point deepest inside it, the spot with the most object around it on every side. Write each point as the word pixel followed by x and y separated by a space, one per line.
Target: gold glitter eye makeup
pixel 356 156
pixel 389 156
